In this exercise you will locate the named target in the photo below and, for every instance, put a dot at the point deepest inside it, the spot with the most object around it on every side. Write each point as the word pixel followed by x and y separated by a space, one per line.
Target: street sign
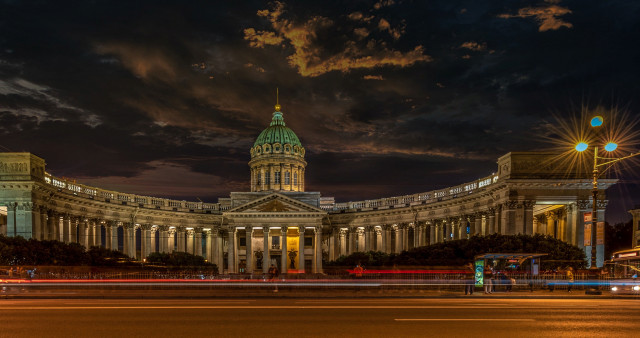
pixel 587 217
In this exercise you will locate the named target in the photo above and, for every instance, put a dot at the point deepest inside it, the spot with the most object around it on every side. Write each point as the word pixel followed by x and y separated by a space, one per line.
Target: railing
pixel 80 190
pixel 418 198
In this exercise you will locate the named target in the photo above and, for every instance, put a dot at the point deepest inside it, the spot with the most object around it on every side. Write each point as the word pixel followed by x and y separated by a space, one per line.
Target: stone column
pixel 198 242
pixel 405 236
pixel 572 211
pixel 215 233
pixel 478 226
pixel 398 241
pixel 301 249
pixel 98 236
pixel 190 238
pixel 163 238
pixel 333 247
pixel 219 249
pixel 491 219
pixel 50 233
pixel 266 254
pixel 528 216
pixel 206 235
pixel 145 241
pixel 11 219
pixel 82 234
pixel 508 221
pixel 378 236
pixel 283 245
pixel 66 227
pixel 114 235
pixel 353 233
pixel 38 223
pixel 367 238
pixel 126 229
pixel 551 224
pixel 171 241
pixel 497 227
pixel 153 233
pixel 133 248
pixel 249 249
pixel 432 234
pixel 180 232
pixel 317 252
pixel 91 234
pixel 231 251
pixel 343 243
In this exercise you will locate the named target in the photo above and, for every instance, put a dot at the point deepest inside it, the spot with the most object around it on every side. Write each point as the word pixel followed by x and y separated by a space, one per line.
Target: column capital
pixel 301 229
pixel 145 226
pixel 511 205
pixel 163 227
pixel 284 229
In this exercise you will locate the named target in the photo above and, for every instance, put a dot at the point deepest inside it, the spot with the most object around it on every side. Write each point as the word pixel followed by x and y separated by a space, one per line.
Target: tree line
pixel 560 255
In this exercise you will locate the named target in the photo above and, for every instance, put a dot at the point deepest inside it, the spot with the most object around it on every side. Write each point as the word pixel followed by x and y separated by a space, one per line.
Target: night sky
pixel 390 97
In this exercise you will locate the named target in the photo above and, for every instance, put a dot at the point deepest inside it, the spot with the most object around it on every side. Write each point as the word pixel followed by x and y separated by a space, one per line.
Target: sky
pixel 388 97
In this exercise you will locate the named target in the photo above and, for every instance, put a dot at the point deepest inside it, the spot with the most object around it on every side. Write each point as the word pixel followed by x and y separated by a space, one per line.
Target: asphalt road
pixel 321 318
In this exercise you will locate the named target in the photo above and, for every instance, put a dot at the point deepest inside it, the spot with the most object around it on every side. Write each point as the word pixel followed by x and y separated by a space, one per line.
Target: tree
pixel 460 252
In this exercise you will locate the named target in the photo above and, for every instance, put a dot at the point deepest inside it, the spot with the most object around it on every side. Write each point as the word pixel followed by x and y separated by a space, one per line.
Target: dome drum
pixel 277 158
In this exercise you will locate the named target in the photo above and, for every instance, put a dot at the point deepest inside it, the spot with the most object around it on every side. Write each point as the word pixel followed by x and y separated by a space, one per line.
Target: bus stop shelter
pixel 519 257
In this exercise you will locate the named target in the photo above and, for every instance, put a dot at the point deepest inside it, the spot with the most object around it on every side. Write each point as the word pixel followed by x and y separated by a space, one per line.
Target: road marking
pixel 463 319
pixel 346 307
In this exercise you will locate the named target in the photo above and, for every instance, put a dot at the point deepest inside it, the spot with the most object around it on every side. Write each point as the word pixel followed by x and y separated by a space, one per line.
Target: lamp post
pixel 598 162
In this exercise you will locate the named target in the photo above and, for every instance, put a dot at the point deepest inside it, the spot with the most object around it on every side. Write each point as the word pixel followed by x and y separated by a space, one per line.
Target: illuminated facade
pixel 277 222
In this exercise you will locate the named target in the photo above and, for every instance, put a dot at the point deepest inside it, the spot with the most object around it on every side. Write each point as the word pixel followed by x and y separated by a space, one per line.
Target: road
pixel 274 317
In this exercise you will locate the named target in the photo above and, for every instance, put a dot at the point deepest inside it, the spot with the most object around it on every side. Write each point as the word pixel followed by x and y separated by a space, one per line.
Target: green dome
pixel 277 132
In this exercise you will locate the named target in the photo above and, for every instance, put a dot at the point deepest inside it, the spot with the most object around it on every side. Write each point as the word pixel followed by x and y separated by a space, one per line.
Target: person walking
pixel 569 278
pixel 469 279
pixel 486 278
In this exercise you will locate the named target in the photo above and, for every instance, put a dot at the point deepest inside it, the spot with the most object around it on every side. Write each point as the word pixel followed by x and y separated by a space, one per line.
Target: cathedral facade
pixel 279 223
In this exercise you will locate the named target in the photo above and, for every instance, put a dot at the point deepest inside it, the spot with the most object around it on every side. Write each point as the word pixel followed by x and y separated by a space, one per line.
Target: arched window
pixel 295 178
pixel 287 178
pixel 276 178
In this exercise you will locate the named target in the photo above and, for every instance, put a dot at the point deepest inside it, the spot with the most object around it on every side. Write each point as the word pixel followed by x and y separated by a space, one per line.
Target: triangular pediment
pixel 275 203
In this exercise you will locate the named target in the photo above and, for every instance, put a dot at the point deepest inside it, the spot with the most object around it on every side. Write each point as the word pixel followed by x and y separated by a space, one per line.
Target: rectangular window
pixel 275 242
pixel 243 241
pixel 267 178
pixel 277 178
pixel 308 241
pixel 287 178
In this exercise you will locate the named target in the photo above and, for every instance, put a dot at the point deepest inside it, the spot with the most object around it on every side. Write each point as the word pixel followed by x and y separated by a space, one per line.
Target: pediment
pixel 276 203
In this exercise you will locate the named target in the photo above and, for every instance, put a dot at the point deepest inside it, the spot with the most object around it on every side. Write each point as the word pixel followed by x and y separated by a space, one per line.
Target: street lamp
pixel 598 162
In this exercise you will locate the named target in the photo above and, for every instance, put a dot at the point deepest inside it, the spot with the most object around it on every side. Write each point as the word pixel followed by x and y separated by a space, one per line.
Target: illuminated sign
pixel 479 272
pixel 587 217
pixel 628 254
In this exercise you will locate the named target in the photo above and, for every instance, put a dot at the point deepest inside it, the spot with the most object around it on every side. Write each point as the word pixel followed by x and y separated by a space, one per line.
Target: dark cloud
pixel 388 97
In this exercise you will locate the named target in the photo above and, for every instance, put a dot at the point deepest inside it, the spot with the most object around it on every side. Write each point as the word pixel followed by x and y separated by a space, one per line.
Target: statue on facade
pixel 292 256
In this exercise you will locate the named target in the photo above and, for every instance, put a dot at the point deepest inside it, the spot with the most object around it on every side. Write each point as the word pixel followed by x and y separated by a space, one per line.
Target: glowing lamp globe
pixel 581 146
pixel 597 121
pixel 611 146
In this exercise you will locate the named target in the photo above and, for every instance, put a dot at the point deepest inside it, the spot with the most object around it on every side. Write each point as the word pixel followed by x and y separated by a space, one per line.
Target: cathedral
pixel 280 223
